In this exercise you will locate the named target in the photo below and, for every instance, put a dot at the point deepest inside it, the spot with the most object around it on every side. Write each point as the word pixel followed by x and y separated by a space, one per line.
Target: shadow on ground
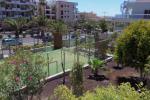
pixel 117 68
pixel 98 77
pixel 134 81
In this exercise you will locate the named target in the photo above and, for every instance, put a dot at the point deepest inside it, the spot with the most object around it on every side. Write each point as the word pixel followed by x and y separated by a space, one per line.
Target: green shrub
pixel 133 46
pixel 77 79
pixel 63 93
pixel 17 71
pixel 122 92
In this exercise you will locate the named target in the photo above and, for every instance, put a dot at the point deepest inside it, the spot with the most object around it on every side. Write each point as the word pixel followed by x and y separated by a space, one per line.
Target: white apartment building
pixel 62 10
pixel 16 8
pixel 136 9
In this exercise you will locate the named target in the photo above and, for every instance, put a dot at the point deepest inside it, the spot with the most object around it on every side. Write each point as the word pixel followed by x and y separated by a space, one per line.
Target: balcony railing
pixel 137 16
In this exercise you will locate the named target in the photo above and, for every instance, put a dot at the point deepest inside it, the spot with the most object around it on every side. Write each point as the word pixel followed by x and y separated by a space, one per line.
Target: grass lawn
pixel 55 59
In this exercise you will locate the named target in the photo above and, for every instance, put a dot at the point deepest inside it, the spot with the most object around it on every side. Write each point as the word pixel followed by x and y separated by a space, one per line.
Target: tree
pixel 133 46
pixel 58 28
pixel 95 65
pixel 22 72
pixel 77 79
pixel 112 41
pixel 102 47
pixel 103 26
pixel 42 23
pixel 16 24
pixel 91 26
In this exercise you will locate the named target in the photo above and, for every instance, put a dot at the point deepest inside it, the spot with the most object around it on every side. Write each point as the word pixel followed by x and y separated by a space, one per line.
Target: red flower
pixel 14 62
pixel 30 78
pixel 17 79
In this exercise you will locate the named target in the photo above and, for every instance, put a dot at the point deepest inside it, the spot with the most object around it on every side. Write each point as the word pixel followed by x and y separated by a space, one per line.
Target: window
pixel 62 12
pixel 47 12
pixel 147 14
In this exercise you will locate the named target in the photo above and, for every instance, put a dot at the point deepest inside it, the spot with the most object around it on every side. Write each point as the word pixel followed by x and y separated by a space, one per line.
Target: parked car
pixel 6 42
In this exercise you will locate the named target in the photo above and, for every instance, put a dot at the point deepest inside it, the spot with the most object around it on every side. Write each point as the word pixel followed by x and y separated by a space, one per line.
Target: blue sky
pixel 111 7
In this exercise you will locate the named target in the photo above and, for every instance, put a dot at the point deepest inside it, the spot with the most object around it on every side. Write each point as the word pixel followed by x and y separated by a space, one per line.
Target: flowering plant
pixel 22 70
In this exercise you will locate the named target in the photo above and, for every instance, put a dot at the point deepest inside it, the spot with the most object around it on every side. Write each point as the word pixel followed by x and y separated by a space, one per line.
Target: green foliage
pixel 40 21
pixel 133 46
pixel 103 26
pixel 102 47
pixel 21 70
pixel 16 24
pixel 63 93
pixel 58 27
pixel 77 79
pixel 122 92
pixel 95 65
pixel 114 36
pixel 147 66
pixel 90 26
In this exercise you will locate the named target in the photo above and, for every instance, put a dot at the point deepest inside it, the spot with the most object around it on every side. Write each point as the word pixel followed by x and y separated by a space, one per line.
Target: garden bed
pixel 89 84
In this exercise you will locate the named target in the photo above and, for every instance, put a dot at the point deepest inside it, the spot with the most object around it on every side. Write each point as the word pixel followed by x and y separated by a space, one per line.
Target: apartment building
pixel 62 10
pixel 66 11
pixel 16 8
pixel 136 9
pixel 50 10
pixel 88 16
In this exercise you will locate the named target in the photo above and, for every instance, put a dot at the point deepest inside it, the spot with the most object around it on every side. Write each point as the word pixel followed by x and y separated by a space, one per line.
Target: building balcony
pixel 138 16
pixel 2 9
pixel 20 3
pixel 50 14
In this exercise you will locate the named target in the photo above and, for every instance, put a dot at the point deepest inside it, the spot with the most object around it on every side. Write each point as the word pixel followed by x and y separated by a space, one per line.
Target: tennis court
pixel 56 57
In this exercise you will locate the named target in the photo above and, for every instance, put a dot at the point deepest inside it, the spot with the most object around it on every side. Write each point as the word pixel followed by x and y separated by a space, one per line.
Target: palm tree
pixel 95 65
pixel 16 24
pixel 58 28
pixel 32 11
pixel 41 22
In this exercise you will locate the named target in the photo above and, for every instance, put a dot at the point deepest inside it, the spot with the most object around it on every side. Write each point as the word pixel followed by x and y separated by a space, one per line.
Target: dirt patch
pixel 110 76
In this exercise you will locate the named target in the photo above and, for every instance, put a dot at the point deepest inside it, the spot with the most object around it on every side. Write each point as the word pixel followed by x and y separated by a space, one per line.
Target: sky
pixel 109 7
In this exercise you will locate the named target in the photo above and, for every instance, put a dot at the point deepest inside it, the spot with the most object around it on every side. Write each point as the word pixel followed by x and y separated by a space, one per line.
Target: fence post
pixel 48 63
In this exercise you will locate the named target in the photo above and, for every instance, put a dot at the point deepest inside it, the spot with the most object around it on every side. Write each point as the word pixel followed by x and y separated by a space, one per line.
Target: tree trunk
pixel 95 72
pixel 58 40
pixel 17 34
